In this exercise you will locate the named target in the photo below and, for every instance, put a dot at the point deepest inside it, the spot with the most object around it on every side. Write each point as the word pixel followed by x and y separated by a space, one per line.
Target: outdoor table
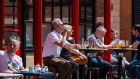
pixel 10 75
pixel 120 51
pixel 90 50
pixel 36 74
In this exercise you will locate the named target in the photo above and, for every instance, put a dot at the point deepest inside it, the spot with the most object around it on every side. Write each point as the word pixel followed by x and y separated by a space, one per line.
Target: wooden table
pixel 121 50
pixel 92 49
pixel 10 75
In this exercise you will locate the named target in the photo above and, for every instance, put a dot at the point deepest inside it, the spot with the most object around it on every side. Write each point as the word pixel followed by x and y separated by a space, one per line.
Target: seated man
pixel 96 61
pixel 136 44
pixel 52 47
pixel 9 60
pixel 114 56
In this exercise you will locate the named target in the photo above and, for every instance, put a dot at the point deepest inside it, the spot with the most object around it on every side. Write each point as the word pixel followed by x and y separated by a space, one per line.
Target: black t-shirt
pixel 66 53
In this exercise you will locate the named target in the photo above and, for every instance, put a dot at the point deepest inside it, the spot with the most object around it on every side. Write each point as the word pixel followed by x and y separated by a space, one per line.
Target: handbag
pixel 78 60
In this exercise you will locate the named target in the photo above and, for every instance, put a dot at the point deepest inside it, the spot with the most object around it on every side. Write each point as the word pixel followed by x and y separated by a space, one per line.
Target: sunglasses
pixel 14 37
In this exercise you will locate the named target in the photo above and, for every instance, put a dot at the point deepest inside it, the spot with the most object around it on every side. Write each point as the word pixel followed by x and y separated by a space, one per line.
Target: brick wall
pixel 126 22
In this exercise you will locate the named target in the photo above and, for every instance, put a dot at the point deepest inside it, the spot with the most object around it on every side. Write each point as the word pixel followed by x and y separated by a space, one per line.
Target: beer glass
pixel 90 42
pixel 127 43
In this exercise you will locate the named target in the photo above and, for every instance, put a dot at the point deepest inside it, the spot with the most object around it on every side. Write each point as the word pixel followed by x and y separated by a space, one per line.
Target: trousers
pixel 103 65
pixel 65 67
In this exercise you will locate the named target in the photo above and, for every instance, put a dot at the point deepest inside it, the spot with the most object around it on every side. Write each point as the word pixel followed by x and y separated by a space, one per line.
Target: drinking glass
pixel 90 43
pixel 120 43
pixel 123 43
pixel 86 44
pixel 83 43
pixel 94 44
pixel 127 43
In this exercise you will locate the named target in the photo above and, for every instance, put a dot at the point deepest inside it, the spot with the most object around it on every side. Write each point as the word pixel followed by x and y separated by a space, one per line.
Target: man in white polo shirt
pixel 52 47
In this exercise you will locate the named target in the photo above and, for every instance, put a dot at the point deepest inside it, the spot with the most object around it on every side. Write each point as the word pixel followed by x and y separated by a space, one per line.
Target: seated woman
pixel 67 54
pixel 10 62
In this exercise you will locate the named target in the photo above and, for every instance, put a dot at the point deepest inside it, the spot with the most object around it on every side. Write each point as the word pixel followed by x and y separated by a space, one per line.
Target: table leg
pixel 28 77
pixel 53 76
pixel 37 77
pixel 119 66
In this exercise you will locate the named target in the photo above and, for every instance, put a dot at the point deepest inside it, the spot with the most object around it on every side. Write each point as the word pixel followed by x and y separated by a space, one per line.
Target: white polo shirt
pixel 49 47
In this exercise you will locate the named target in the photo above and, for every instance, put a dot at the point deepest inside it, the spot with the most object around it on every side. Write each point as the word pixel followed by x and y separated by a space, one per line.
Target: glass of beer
pixel 90 43
pixel 120 43
pixel 127 43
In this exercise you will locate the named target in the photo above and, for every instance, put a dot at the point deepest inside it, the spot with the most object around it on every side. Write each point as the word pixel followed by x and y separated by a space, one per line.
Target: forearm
pixel 63 42
pixel 71 49
pixel 104 46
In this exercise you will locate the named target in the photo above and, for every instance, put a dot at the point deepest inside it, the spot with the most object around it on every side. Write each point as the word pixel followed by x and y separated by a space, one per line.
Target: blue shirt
pixel 138 47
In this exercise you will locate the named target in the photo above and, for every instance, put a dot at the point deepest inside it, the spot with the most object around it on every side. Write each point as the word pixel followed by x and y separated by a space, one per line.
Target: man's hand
pixel 113 44
pixel 83 57
pixel 135 44
pixel 78 46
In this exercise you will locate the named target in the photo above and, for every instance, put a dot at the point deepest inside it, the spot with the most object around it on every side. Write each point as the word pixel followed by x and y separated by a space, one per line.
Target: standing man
pixel 136 44
pixel 51 52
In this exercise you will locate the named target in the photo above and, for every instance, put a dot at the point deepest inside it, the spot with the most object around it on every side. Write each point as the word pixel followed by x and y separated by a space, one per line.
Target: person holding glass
pixel 9 61
pixel 52 48
pixel 96 61
pixel 114 56
pixel 136 44
pixel 66 54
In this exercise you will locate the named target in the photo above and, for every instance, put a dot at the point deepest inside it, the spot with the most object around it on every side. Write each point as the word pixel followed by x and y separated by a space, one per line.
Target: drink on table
pixel 120 44
pixel 90 43
pixel 127 43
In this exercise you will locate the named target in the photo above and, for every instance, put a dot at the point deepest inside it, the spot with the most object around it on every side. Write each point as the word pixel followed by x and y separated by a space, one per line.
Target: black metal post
pixel 23 34
pixel 13 15
pixel 69 9
pixel 61 9
pixel 43 11
pixel 52 16
pixel 85 13
pixel 93 15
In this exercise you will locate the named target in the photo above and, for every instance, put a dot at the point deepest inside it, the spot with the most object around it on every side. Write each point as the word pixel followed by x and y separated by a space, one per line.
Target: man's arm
pixel 135 44
pixel 106 46
pixel 73 49
pixel 63 41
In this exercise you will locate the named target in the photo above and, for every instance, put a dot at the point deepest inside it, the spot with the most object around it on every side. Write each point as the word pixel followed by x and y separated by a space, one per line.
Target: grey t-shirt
pixel 95 40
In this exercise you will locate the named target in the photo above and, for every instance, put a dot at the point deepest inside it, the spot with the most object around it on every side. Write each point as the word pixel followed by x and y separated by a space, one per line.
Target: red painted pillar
pixel 107 24
pixel 20 24
pixel 38 32
pixel 75 19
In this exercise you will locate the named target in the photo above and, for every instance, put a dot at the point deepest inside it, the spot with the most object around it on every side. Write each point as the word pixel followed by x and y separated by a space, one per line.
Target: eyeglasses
pixel 14 37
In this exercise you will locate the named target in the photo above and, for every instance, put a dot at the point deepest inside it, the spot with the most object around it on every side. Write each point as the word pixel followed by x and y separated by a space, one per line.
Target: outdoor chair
pixel 91 72
pixel 114 73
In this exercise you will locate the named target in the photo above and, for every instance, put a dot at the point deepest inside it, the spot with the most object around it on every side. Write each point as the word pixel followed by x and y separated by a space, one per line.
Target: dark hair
pixel 137 27
pixel 113 30
pixel 100 24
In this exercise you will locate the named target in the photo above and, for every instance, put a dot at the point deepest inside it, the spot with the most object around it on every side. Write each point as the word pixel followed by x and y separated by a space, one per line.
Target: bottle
pixel 90 42
pixel 83 43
